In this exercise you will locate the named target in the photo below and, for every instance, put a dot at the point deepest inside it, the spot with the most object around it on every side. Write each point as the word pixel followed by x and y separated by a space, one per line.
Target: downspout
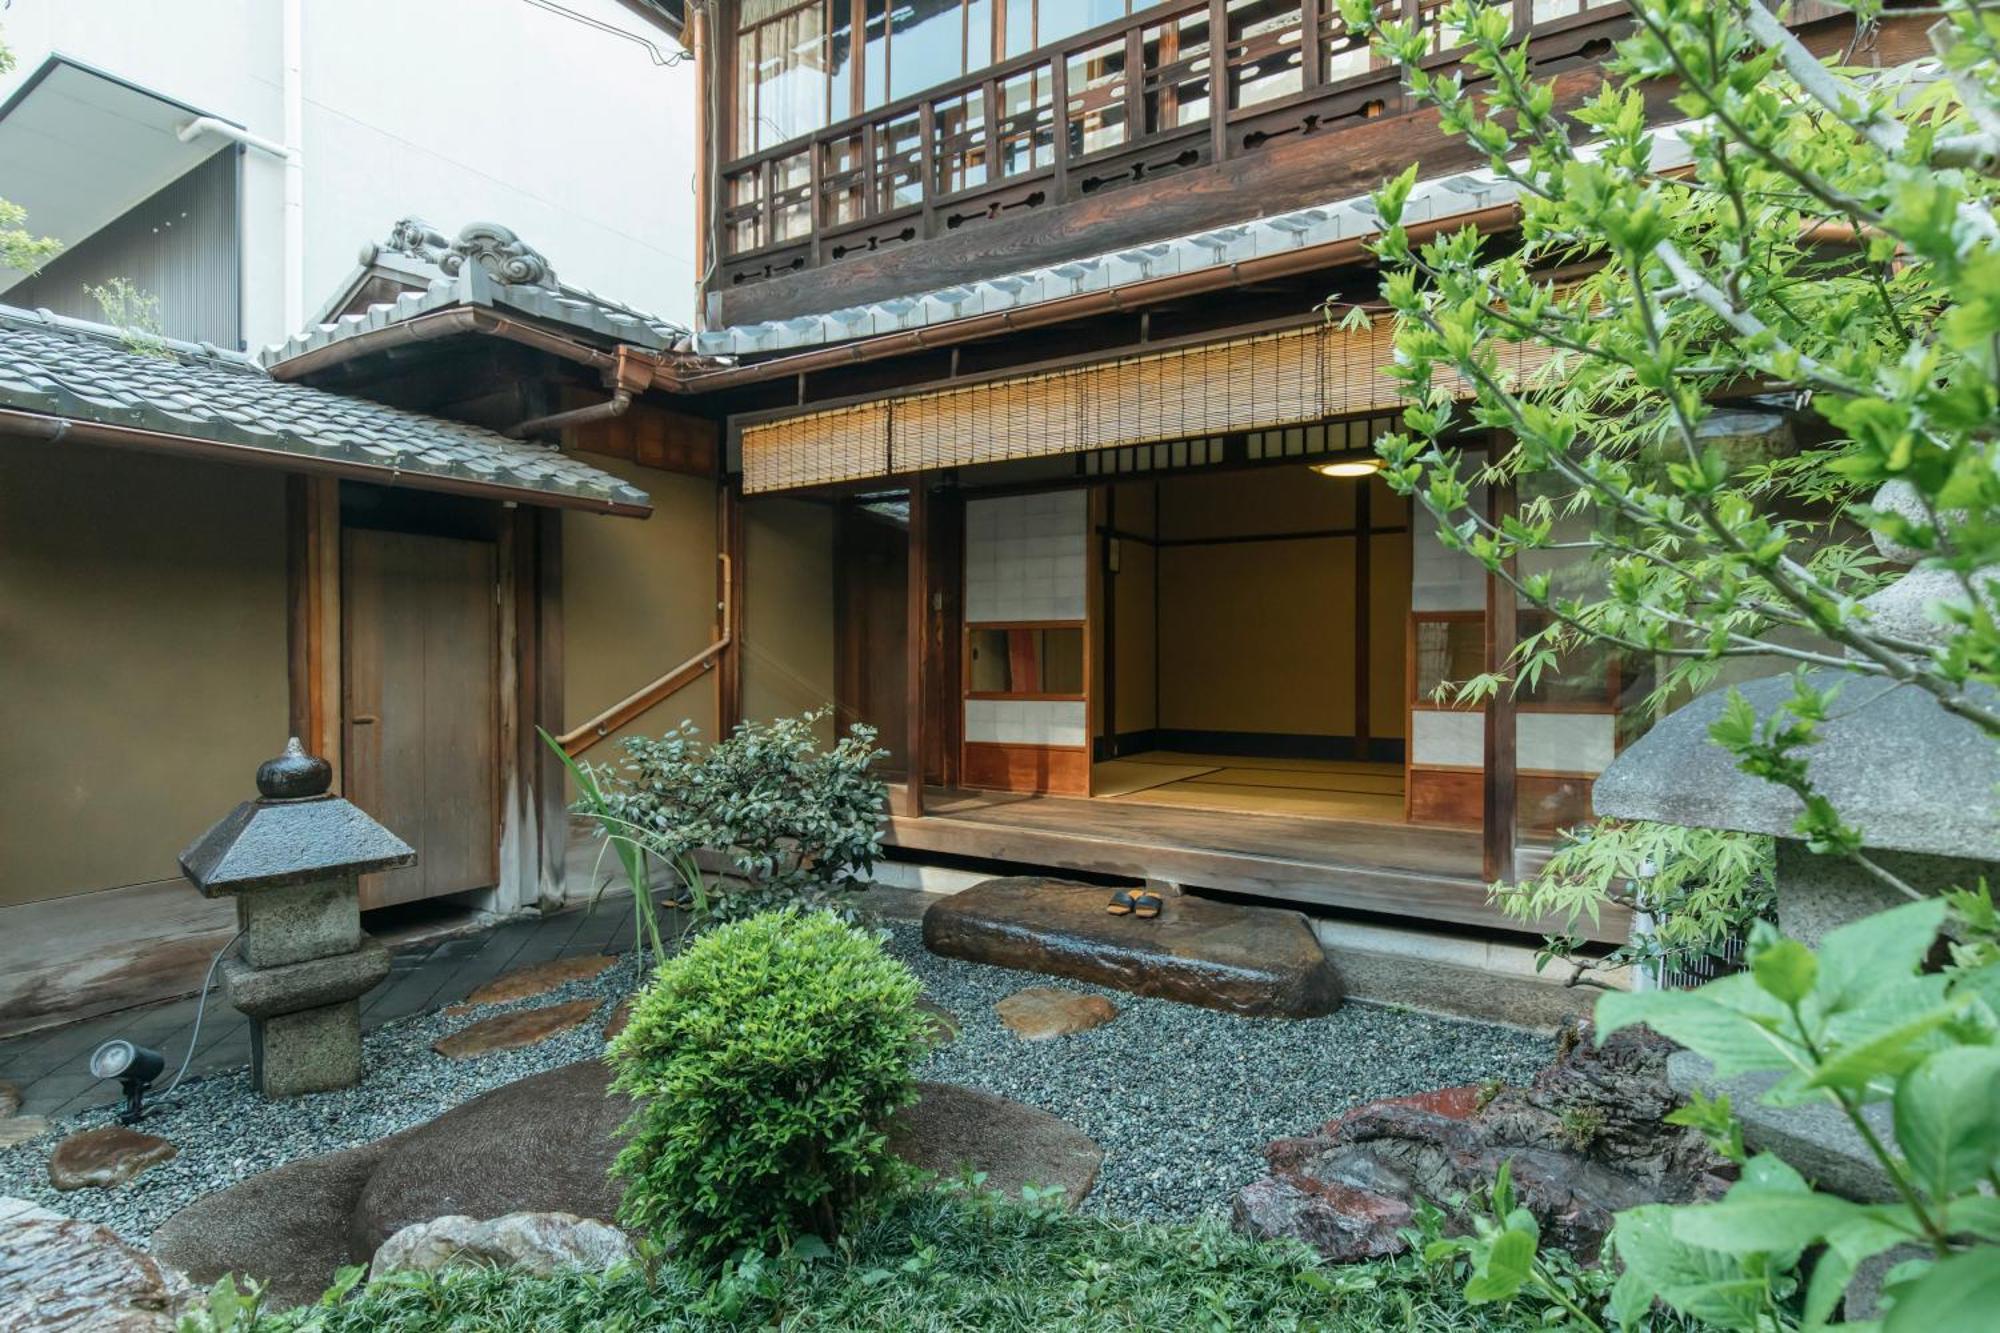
pixel 613 406
pixel 289 152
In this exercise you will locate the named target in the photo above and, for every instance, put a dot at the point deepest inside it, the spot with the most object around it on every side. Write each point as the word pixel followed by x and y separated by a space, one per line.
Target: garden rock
pixel 105 1157
pixel 20 1128
pixel 287 1227
pixel 537 1243
pixel 524 983
pixel 543 1144
pixel 944 1023
pixel 951 1129
pixel 1261 961
pixel 507 1032
pixel 10 1099
pixel 1586 1139
pixel 60 1275
pixel 1343 1223
pixel 1042 1013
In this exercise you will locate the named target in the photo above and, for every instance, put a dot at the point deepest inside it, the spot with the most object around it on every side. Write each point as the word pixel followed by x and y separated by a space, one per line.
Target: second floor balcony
pixel 1160 92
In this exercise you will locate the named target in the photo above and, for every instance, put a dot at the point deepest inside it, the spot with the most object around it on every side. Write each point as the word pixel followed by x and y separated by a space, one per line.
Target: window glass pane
pixel 899 162
pixel 840 60
pixel 843 180
pixel 1066 18
pixel 1449 652
pixel 875 54
pixel 978 34
pixel 961 148
pixel 783 67
pixel 1026 661
pixel 926 45
pixel 1020 27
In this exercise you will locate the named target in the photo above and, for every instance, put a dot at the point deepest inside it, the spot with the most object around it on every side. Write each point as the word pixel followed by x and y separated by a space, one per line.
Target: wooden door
pixel 420 715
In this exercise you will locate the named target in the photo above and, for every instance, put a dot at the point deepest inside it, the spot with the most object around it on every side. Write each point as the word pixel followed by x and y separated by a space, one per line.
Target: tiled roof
pixel 1338 220
pixel 488 265
pixel 59 367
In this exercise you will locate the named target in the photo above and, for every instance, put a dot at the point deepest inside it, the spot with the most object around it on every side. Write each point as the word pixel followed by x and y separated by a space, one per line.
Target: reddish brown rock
pixel 105 1157
pixel 525 983
pixel 1042 1013
pixel 1342 1223
pixel 59 1275
pixel 1586 1140
pixel 507 1032
pixel 1260 961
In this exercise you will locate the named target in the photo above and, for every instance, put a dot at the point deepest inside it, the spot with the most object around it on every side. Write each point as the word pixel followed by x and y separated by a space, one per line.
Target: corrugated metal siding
pixel 181 245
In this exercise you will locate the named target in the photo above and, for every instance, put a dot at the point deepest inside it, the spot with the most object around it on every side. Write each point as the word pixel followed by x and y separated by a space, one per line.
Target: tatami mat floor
pixel 1330 788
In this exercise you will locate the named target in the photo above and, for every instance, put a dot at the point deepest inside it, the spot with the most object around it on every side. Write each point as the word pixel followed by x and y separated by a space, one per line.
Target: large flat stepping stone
pixel 508 1032
pixel 1259 961
pixel 524 983
pixel 953 1128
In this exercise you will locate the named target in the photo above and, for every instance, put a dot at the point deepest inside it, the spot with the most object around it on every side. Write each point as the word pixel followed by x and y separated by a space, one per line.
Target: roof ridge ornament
pixel 414 237
pixel 502 254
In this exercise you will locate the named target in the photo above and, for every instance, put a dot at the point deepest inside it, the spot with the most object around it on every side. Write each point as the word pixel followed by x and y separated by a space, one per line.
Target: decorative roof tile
pixel 54 366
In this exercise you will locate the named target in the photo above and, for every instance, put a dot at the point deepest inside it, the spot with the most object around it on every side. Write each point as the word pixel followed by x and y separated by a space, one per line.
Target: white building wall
pixel 453 110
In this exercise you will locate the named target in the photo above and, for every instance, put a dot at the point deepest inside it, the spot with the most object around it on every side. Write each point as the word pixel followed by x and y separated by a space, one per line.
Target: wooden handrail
pixel 575 741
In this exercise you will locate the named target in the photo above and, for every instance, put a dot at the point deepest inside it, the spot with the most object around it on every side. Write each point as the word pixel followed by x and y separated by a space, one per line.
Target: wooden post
pixel 917 607
pixel 1499 806
pixel 730 576
pixel 312 507
pixel 548 777
pixel 1363 616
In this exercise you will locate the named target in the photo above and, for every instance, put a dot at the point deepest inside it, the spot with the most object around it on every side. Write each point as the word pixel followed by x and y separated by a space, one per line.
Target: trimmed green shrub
pixel 800 823
pixel 766 1057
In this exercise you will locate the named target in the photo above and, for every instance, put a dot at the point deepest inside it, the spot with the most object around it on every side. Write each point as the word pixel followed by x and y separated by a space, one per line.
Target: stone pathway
pixel 49 1067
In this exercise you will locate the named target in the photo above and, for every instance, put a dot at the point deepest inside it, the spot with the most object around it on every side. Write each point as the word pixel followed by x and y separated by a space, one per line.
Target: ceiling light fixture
pixel 1349 467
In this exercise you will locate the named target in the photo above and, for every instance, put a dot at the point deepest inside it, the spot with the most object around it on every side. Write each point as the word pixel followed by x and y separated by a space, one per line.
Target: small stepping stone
pixel 1260 961
pixel 525 983
pixel 105 1157
pixel 20 1128
pixel 508 1032
pixel 944 1023
pixel 620 1016
pixel 10 1099
pixel 1042 1013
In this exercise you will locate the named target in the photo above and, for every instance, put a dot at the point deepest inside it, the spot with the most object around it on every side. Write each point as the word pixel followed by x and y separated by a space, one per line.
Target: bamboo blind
pixel 1243 384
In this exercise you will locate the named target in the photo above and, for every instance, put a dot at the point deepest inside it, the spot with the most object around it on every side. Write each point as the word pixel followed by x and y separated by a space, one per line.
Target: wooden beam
pixel 917 607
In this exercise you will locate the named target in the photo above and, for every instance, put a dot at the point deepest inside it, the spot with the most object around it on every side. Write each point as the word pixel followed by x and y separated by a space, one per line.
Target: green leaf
pixel 1712 1022
pixel 1505 1271
pixel 1948 1118
pixel 1705 1284
pixel 1887 1054
pixel 1770 1209
pixel 1786 971
pixel 1847 1247
pixel 1962 1292
pixel 1865 956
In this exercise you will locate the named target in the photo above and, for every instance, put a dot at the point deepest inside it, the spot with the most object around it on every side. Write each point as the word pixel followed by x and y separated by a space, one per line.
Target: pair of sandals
pixel 1142 903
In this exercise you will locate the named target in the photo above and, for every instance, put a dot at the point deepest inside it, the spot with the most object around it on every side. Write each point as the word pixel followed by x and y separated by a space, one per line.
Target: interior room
pixel 1250 642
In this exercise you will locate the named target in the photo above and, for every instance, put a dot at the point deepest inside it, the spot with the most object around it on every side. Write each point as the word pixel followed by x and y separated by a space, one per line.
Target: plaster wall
pixel 638 599
pixel 453 110
pixel 142 623
pixel 788 645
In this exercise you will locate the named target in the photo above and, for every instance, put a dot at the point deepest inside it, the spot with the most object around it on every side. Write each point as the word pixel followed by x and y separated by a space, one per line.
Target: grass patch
pixel 942 1260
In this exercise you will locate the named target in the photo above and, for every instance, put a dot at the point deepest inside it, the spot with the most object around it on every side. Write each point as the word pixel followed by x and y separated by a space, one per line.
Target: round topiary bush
pixel 766 1058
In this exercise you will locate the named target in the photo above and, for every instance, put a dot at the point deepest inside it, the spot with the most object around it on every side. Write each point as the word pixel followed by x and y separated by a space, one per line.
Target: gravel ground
pixel 1182 1099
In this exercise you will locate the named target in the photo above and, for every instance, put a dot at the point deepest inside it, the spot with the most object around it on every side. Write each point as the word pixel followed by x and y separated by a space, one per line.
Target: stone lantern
pixel 293 859
pixel 1922 785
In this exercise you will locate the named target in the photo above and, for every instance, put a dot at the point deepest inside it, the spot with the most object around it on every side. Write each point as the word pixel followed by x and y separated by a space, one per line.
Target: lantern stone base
pixel 296 922
pixel 311 1050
